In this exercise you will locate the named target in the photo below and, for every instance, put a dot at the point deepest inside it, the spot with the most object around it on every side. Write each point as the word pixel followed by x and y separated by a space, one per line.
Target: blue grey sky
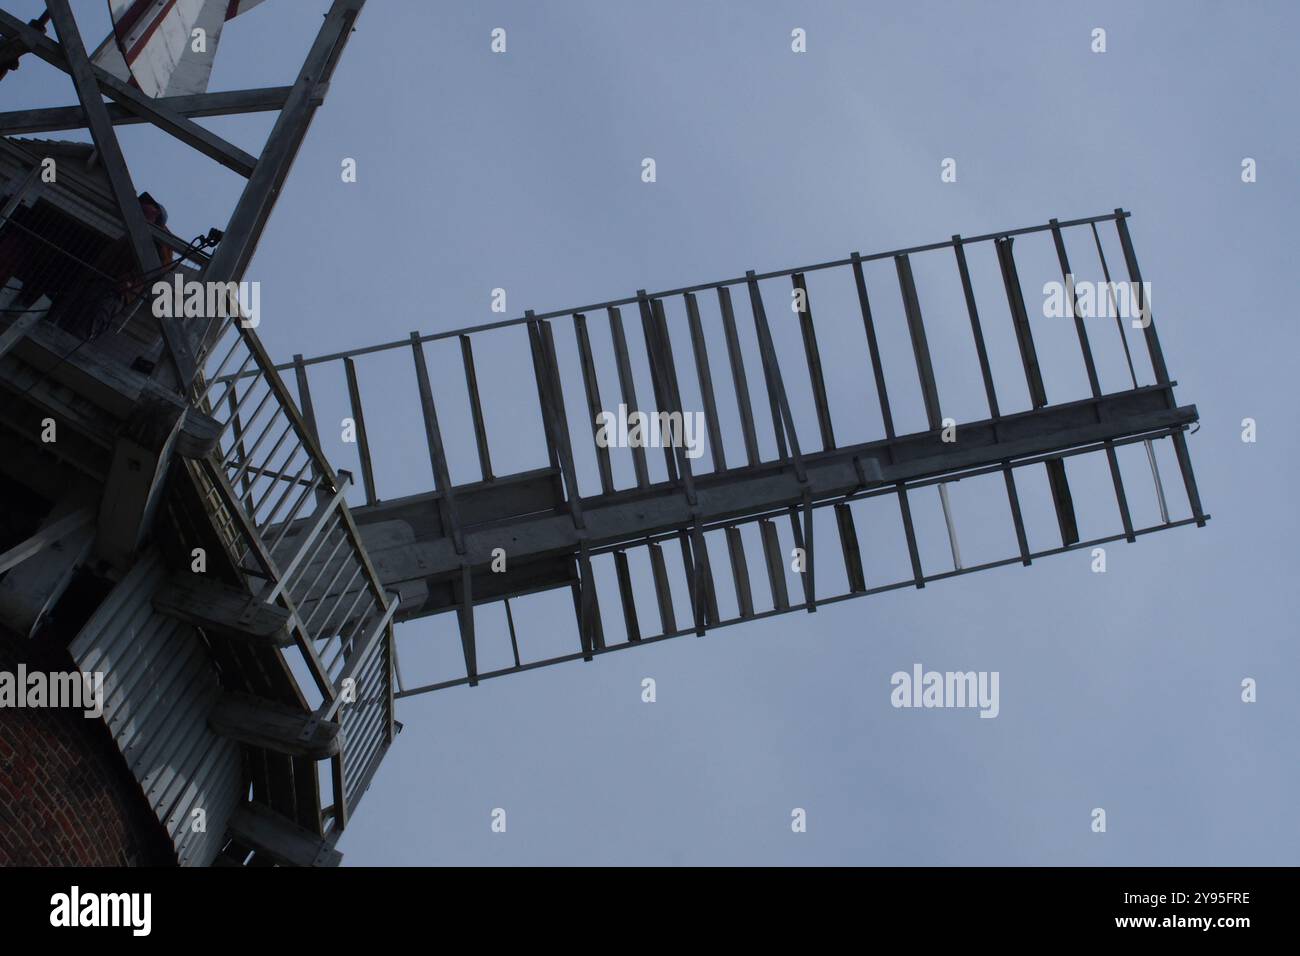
pixel 522 171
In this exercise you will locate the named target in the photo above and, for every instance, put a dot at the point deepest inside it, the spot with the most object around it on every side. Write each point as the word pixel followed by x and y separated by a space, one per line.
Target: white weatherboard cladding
pixel 159 685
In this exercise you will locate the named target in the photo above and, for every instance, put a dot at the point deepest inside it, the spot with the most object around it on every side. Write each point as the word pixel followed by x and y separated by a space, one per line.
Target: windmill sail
pixel 857 500
pixel 155 43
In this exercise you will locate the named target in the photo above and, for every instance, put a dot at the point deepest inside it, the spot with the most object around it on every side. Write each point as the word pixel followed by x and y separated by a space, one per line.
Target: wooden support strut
pixel 775 565
pixel 304 398
pixel 433 437
pixel 658 376
pixel 740 572
pixel 704 607
pixel 1094 384
pixel 231 257
pixel 1055 467
pixel 48 535
pixel 632 515
pixel 272 726
pixel 363 440
pixel 627 390
pixel 699 579
pixel 849 545
pixel 1158 366
pixel 663 590
pixel 663 348
pixel 591 386
pixel 626 597
pixel 704 376
pixel 84 78
pixel 465 613
pixel 223 610
pixel 738 379
pixel 590 634
pixel 161 112
pixel 803 540
pixel 990 392
pixel 813 357
pixel 280 839
pixel 776 387
pixel 920 345
pixel 553 417
pixel 189 106
pixel 476 409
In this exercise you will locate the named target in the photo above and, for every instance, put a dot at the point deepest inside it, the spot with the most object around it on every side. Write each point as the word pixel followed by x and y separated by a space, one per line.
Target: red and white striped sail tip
pixel 166 47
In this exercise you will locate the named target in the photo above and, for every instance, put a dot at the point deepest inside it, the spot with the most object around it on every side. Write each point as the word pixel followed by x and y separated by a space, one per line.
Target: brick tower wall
pixel 66 795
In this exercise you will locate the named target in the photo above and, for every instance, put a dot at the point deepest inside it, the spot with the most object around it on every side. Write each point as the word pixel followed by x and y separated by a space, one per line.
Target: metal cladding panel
pixel 159 684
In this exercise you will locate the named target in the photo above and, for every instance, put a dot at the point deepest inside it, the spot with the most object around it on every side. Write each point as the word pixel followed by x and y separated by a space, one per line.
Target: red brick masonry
pixel 66 796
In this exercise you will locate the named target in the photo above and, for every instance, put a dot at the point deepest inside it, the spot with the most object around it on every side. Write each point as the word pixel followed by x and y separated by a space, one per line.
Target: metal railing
pixel 281 509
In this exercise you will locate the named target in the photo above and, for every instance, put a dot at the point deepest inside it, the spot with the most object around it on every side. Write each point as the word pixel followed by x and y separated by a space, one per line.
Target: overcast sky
pixel 522 171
